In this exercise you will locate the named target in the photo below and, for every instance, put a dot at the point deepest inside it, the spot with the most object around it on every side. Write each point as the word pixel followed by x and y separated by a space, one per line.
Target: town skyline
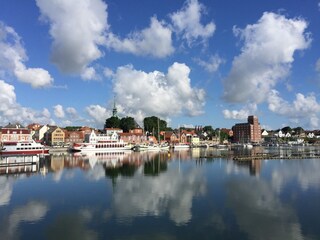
pixel 192 62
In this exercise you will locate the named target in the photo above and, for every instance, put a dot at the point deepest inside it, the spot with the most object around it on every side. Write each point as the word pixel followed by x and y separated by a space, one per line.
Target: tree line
pixel 151 124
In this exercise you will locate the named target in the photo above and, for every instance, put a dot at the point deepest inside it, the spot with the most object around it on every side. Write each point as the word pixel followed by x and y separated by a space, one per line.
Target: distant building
pixel 74 137
pixel 14 133
pixel 110 131
pixel 55 136
pixel 170 137
pixel 247 132
pixel 227 131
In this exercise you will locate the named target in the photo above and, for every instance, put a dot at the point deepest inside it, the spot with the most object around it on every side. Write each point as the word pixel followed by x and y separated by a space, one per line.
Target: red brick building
pixel 249 132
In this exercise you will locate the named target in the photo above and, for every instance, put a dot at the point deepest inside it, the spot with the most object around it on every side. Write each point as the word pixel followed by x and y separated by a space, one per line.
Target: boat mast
pixel 158 132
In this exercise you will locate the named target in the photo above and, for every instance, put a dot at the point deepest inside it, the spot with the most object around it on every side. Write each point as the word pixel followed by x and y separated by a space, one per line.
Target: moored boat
pixel 23 147
pixel 101 143
pixel 181 146
pixel 101 146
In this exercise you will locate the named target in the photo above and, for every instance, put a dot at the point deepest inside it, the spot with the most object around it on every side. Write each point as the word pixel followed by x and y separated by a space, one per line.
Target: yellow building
pixel 55 136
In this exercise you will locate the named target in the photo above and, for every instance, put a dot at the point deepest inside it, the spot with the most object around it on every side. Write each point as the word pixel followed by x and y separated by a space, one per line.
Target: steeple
pixel 114 110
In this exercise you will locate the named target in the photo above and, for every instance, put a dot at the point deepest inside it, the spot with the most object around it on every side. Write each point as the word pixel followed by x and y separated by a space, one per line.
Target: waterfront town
pixel 249 132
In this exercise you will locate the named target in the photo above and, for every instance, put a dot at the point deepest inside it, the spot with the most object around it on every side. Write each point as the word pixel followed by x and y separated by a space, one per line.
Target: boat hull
pixel 31 152
pixel 94 148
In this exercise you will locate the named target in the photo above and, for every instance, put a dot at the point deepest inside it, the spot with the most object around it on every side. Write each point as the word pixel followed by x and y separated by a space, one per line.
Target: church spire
pixel 114 110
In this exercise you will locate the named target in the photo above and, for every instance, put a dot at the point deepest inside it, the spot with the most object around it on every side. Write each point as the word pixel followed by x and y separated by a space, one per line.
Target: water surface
pixel 178 195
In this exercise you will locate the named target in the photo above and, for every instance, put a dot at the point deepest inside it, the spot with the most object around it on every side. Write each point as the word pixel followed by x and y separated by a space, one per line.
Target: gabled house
pixel 170 137
pixel 55 136
pixel 264 133
pixel 14 133
pixel 110 131
pixel 310 135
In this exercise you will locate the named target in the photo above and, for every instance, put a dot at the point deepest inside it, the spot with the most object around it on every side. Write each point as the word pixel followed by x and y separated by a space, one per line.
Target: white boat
pixel 248 145
pixel 156 147
pixel 181 146
pixel 23 147
pixel 101 143
pixel 140 147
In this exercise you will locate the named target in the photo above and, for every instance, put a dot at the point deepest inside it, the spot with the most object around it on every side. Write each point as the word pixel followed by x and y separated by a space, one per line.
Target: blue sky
pixel 190 62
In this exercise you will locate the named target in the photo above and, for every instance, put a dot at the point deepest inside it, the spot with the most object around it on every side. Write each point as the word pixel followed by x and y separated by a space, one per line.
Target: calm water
pixel 160 196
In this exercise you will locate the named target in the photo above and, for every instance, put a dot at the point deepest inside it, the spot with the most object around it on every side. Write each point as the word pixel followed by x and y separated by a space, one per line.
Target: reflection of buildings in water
pixel 57 163
pixel 254 166
pixel 110 159
pixel 19 164
pixel 125 161
pixel 255 151
pixel 182 154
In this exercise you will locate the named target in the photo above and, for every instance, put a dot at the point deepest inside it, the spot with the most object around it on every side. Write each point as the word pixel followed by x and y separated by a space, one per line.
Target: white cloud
pixel 89 73
pixel 58 111
pixel 13 56
pixel 186 22
pixel 72 112
pixel 266 57
pixel 153 41
pixel 77 28
pixel 317 67
pixel 11 111
pixel 156 93
pixel 303 107
pixel 212 65
pixel 98 113
pixel 108 73
pixel 242 114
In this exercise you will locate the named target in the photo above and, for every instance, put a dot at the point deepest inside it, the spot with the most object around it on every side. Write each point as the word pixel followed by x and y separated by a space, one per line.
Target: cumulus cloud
pixel 98 113
pixel 89 74
pixel 108 73
pixel 317 67
pixel 266 57
pixel 154 41
pixel 186 22
pixel 59 111
pixel 303 107
pixel 11 111
pixel 213 63
pixel 77 28
pixel 13 57
pixel 241 114
pixel 156 93
pixel 72 112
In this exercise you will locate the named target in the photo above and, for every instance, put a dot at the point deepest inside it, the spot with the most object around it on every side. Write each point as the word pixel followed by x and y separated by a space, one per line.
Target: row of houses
pixel 57 136
pixel 47 134
pixel 281 134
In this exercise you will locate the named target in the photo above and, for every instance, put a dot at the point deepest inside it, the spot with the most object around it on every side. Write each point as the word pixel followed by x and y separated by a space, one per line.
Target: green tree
pixel 298 130
pixel 151 124
pixel 112 122
pixel 286 129
pixel 127 123
pixel 72 128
